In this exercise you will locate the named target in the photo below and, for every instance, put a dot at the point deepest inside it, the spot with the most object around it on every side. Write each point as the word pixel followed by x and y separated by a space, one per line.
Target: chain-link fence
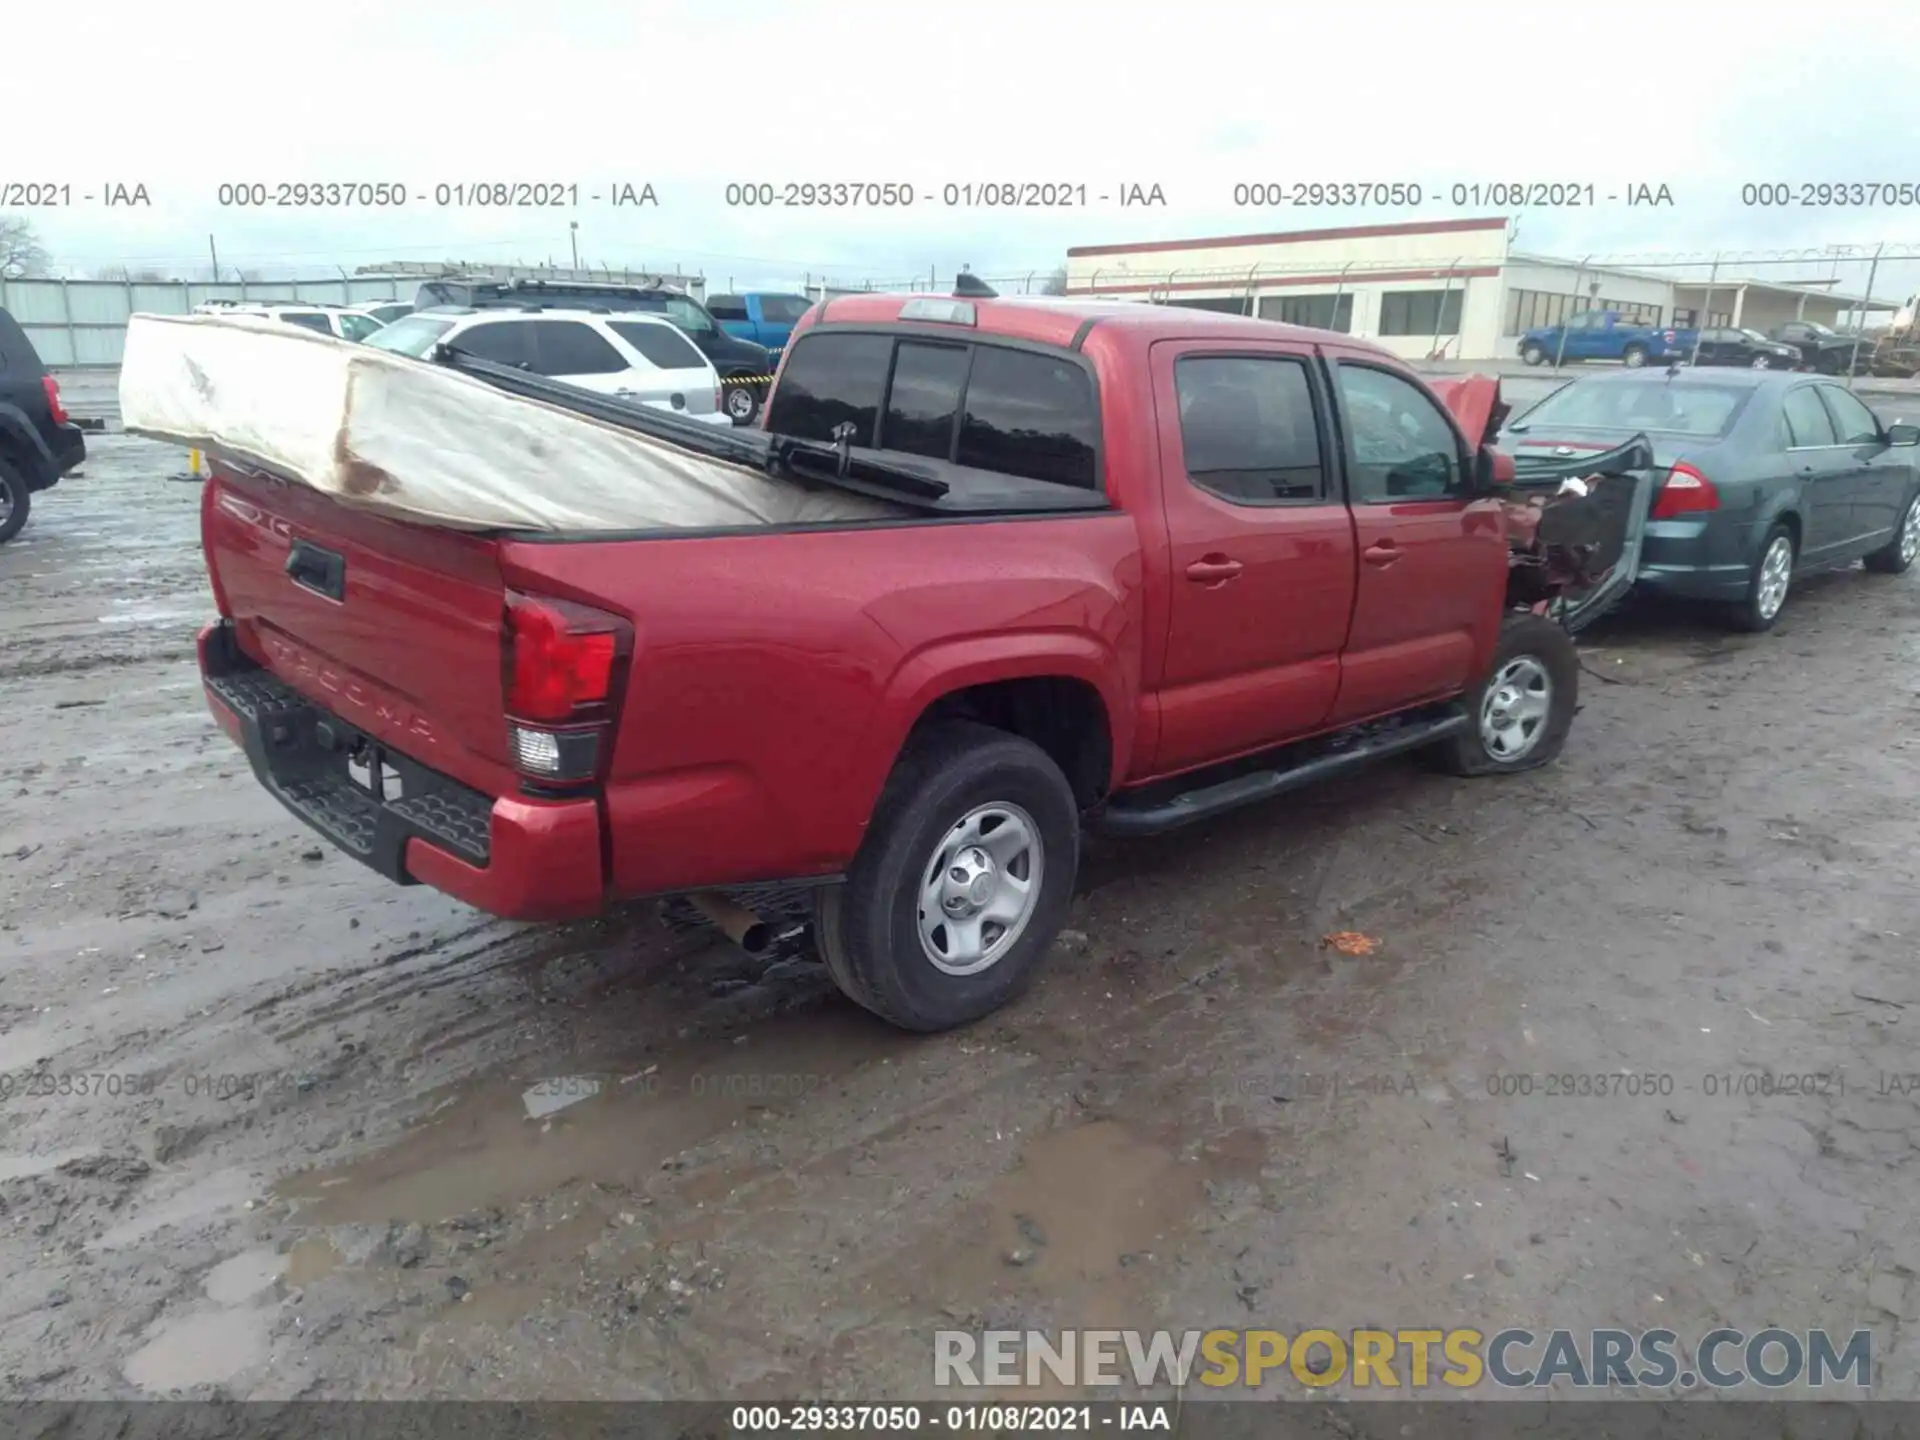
pixel 83 323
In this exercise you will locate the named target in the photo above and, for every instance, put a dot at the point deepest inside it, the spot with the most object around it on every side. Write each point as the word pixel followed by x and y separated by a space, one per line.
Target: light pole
pixel 573 234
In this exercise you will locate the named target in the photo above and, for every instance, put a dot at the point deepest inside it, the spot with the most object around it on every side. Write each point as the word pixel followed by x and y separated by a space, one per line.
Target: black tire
pixel 1522 638
pixel 1533 355
pixel 1751 614
pixel 1634 356
pixel 868 929
pixel 742 403
pixel 16 501
pixel 1889 559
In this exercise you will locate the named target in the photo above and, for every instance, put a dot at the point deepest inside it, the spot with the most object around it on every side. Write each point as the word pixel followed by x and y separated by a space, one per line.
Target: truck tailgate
pixel 384 624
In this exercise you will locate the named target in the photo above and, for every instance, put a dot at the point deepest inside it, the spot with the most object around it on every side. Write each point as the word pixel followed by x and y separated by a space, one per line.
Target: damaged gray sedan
pixel 1751 481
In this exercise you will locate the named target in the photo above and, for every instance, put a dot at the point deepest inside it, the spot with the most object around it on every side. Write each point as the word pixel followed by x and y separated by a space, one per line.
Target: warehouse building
pixel 1447 289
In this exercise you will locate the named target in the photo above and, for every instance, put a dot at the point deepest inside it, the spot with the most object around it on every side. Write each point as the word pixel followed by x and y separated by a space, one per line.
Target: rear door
pixel 1881 477
pixel 1827 474
pixel 1433 562
pixel 1584 341
pixel 676 367
pixel 1261 548
pixel 573 352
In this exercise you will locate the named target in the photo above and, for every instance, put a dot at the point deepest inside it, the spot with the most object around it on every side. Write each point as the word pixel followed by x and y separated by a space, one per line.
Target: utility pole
pixel 573 233
pixel 214 256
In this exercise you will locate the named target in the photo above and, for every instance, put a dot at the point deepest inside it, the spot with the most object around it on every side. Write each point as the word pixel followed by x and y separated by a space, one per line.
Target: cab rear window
pixel 986 406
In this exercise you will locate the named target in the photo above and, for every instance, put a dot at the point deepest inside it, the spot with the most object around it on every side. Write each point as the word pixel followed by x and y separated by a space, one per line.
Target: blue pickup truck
pixel 1604 335
pixel 766 318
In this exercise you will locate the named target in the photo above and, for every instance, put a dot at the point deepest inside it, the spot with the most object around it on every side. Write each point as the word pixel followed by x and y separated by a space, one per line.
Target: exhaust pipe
pixel 742 927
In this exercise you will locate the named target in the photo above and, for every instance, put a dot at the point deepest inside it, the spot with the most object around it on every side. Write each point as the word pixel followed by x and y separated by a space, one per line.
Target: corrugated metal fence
pixel 84 322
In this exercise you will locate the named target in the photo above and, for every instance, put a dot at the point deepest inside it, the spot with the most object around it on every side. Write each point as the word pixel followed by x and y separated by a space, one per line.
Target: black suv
pixel 38 444
pixel 745 368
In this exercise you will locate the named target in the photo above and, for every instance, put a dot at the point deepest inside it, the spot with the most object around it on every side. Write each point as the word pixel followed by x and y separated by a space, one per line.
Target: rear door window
pixel 727 307
pixel 504 342
pixel 308 320
pixel 1247 428
pixel 567 347
pixel 924 399
pixel 1030 415
pixel 783 309
pixel 1807 419
pixel 661 345
pixel 831 380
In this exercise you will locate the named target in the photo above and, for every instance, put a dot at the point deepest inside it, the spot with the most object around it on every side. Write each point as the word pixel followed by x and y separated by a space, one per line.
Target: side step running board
pixel 1198 804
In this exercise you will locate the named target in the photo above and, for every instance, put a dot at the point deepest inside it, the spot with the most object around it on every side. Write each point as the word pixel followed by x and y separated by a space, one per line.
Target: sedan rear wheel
pixel 1898 554
pixel 1767 584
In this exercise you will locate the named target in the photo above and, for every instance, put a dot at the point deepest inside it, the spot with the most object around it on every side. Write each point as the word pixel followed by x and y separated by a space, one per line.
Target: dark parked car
pixel 1763 477
pixel 1822 347
pixel 38 443
pixel 1730 345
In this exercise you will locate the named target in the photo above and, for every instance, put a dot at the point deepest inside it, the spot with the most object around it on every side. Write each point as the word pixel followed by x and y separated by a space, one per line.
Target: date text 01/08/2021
pixel 953 195
pixel 1456 195
pixel 445 195
pixel 964 1419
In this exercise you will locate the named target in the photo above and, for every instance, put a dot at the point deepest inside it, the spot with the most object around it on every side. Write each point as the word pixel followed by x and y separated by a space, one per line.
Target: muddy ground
pixel 342 1139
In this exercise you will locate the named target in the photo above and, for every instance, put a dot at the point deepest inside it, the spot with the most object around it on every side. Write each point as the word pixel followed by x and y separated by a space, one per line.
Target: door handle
pixel 1384 553
pixel 1213 570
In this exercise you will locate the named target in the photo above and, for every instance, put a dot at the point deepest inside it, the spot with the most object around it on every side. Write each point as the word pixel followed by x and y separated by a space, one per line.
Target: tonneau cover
pixel 381 432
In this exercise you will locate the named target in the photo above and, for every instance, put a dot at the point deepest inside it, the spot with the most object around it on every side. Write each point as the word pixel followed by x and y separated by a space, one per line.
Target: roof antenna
pixel 968 284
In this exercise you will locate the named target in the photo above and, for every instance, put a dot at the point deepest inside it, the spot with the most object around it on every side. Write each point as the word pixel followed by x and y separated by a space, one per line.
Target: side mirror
pixel 1902 434
pixel 1493 471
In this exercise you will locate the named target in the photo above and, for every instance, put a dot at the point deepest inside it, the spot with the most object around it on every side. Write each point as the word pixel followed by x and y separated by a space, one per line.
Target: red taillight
pixel 52 387
pixel 563 665
pixel 561 658
pixel 1687 492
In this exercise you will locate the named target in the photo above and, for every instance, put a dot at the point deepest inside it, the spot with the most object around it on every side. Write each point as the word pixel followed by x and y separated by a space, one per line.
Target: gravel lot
pixel 342 1139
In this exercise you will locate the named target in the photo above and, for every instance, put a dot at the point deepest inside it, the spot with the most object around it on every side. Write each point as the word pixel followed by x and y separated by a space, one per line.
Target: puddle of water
pixel 241 1277
pixel 310 1259
pixel 550 1097
pixel 483 1150
pixel 206 1349
pixel 1083 1198
pixel 146 617
pixel 203 1203
pixel 21 1167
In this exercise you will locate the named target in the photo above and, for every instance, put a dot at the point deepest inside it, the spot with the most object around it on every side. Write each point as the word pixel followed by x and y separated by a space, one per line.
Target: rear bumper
pixel 1693 560
pixel 521 859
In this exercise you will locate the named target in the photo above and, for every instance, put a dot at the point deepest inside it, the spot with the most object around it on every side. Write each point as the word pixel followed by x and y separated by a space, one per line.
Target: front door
pixel 1585 334
pixel 1433 561
pixel 1880 475
pixel 1824 471
pixel 1261 549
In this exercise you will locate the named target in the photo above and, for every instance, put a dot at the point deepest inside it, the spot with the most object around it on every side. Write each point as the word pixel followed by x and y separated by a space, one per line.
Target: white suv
pixel 639 357
pixel 336 320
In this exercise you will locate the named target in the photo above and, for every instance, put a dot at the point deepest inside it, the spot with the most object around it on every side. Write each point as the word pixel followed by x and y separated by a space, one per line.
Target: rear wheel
pixel 742 402
pixel 1898 554
pixel 1767 584
pixel 962 883
pixel 15 501
pixel 1521 713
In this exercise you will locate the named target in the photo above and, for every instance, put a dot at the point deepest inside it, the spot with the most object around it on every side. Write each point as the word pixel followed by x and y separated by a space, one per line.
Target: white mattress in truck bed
pixel 381 432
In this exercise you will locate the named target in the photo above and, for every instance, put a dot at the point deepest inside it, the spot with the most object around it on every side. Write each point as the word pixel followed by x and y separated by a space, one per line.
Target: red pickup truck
pixel 1184 561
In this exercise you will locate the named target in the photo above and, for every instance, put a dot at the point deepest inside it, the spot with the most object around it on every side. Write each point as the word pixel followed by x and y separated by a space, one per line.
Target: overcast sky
pixel 182 95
